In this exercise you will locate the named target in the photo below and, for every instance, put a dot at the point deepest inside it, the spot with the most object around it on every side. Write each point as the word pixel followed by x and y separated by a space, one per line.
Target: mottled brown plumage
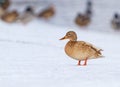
pixel 80 50
pixel 10 17
pixel 47 13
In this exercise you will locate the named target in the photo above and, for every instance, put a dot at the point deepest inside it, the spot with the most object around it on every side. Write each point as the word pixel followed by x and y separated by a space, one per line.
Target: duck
pixel 27 16
pixel 115 22
pixel 4 4
pixel 82 20
pixel 85 18
pixel 10 17
pixel 80 50
pixel 47 13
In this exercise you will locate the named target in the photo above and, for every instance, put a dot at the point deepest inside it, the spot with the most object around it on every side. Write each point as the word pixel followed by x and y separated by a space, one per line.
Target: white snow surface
pixel 33 56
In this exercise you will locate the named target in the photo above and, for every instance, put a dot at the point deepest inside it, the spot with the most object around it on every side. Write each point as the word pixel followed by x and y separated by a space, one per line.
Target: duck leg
pixel 79 63
pixel 85 62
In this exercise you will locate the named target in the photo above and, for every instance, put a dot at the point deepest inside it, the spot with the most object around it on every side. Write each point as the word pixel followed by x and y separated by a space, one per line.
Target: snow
pixel 33 56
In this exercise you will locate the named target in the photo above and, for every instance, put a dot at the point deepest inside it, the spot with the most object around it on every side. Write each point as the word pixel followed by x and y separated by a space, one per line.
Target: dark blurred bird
pixel 89 5
pixel 29 9
pixel 89 11
pixel 47 13
pixel 27 15
pixel 10 17
pixel 115 22
pixel 84 19
pixel 4 4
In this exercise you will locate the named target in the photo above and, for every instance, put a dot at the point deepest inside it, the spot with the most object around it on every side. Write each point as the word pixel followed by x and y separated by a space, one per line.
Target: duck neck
pixel 73 40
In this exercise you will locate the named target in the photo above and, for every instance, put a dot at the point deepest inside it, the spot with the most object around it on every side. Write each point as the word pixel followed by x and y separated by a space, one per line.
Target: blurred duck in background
pixel 4 4
pixel 47 13
pixel 85 19
pixel 10 17
pixel 82 20
pixel 116 21
pixel 28 15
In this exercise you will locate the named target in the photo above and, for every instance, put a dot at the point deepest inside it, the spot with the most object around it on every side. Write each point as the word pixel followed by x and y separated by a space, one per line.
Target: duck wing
pixel 91 47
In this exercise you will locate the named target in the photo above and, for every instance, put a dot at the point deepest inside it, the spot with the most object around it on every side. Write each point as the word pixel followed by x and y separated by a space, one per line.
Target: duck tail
pixel 99 54
pixel 99 51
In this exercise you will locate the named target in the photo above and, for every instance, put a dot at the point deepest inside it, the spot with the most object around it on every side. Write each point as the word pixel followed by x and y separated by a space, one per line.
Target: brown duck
pixel 82 20
pixel 47 13
pixel 80 50
pixel 10 16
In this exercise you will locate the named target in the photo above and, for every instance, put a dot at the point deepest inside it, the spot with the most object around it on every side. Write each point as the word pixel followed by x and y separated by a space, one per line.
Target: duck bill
pixel 63 38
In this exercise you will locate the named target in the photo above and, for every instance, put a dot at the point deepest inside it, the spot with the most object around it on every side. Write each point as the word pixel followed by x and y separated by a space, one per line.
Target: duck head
pixel 29 9
pixel 116 15
pixel 89 3
pixel 71 35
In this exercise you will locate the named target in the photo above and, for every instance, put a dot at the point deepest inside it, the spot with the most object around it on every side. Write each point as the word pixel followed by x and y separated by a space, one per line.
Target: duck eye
pixel 69 34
